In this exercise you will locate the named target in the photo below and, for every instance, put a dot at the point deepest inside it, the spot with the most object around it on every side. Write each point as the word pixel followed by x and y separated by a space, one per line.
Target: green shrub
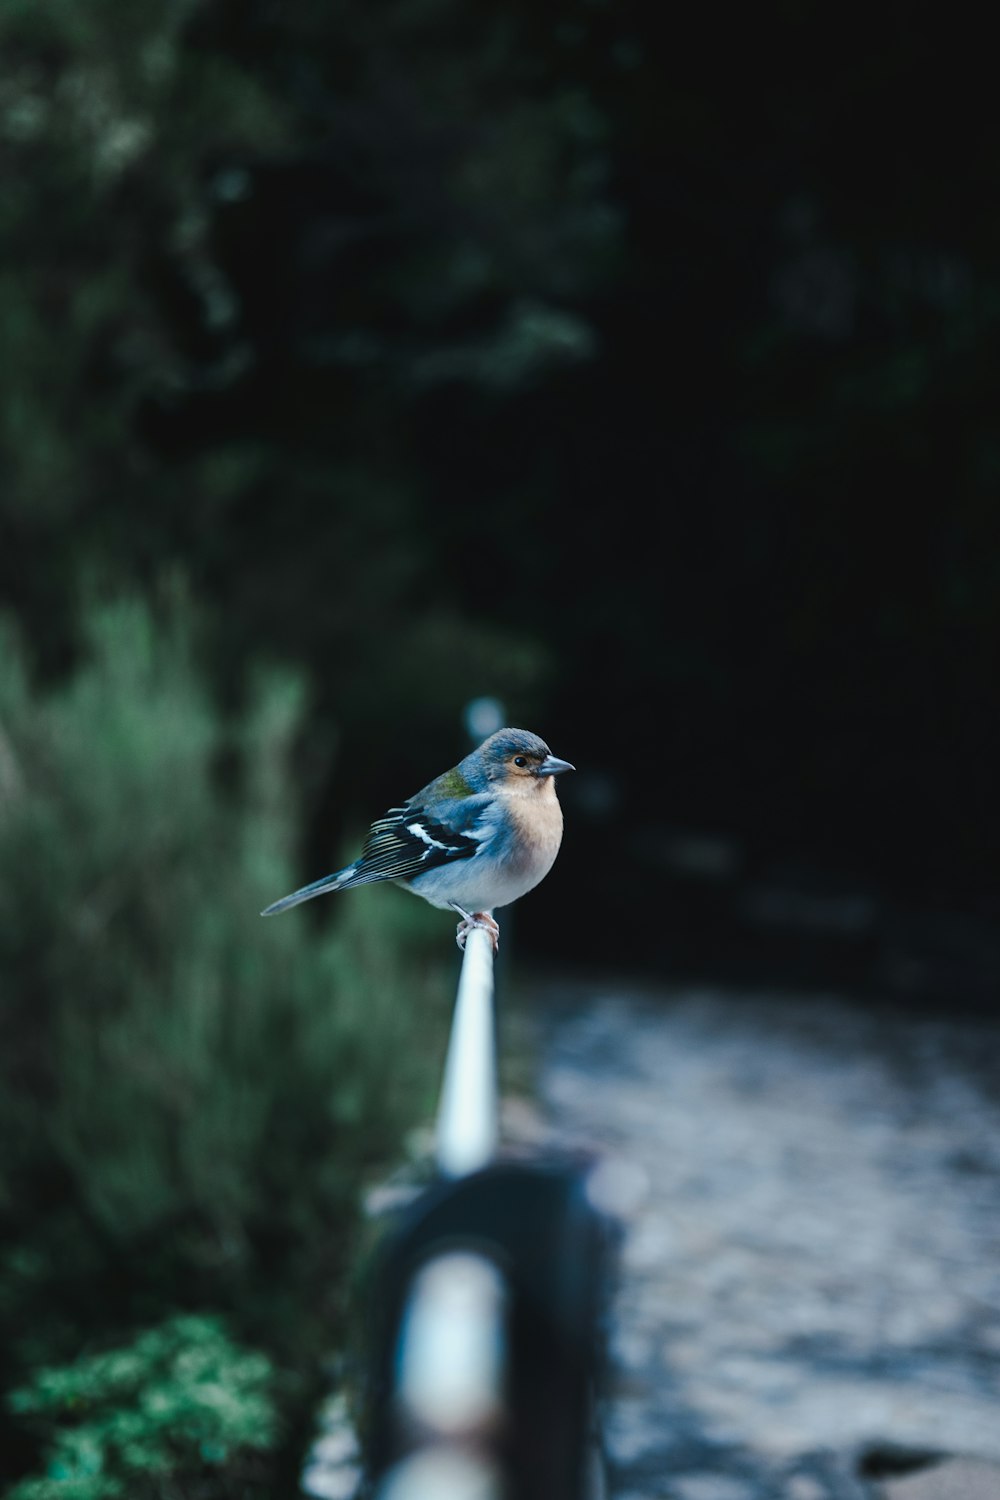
pixel 190 1096
pixel 180 1397
pixel 171 1050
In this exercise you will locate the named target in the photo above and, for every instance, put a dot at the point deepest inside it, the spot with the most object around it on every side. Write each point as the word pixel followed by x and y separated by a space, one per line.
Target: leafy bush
pixel 180 1397
pixel 190 1096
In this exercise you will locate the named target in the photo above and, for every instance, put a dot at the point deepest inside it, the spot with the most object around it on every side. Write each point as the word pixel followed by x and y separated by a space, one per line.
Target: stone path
pixel 808 1300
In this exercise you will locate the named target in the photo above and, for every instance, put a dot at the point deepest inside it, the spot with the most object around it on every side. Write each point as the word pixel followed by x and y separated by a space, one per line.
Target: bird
pixel 474 839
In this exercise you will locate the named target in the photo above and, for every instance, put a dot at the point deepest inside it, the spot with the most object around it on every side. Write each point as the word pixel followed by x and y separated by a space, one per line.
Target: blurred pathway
pixel 809 1293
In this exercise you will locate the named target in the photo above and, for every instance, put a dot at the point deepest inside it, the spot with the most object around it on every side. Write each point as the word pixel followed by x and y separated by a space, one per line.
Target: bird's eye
pixel 520 760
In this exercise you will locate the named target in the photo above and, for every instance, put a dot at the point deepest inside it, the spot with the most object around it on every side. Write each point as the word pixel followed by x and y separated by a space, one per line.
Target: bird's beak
pixel 553 766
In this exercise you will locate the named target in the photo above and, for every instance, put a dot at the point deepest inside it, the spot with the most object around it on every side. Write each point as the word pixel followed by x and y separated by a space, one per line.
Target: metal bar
pixel 468 1112
pixel 485 1370
pixel 451 1354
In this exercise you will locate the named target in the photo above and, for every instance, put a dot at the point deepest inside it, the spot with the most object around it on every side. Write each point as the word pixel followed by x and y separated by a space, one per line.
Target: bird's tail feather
pixel 307 892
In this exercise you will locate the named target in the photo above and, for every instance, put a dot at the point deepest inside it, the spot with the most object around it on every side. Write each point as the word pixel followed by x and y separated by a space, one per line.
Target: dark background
pixel 636 367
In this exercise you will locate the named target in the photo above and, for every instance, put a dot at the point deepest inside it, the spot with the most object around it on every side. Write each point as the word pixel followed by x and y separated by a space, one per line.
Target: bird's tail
pixel 307 892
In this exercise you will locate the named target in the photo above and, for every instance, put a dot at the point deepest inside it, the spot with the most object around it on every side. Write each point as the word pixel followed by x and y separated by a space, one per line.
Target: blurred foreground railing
pixel 486 1356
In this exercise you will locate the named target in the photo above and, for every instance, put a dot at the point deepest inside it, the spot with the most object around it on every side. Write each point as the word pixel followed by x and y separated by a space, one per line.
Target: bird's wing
pixel 408 840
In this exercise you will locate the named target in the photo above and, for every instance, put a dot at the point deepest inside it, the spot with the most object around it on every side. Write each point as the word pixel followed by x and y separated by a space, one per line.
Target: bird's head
pixel 514 754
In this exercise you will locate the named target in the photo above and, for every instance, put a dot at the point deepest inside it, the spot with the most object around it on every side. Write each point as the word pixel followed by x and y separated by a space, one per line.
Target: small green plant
pixel 138 1420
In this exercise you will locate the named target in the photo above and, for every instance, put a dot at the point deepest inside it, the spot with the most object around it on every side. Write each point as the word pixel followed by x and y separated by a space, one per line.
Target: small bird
pixel 475 838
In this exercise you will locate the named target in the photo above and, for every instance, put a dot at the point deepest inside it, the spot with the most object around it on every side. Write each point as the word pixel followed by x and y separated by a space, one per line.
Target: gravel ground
pixel 808 1296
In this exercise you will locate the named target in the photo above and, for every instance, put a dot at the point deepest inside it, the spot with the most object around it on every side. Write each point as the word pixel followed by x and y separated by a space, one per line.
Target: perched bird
pixel 475 838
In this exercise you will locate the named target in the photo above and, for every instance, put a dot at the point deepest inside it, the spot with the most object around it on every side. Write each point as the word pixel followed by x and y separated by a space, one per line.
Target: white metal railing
pixel 467 1121
pixel 450 1353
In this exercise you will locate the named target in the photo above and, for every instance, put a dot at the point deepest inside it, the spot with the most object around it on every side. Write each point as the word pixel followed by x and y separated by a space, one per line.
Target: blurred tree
pixel 240 243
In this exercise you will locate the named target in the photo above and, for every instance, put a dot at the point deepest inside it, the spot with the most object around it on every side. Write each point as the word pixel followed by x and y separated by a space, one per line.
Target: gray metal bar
pixel 468 1112
pixel 452 1348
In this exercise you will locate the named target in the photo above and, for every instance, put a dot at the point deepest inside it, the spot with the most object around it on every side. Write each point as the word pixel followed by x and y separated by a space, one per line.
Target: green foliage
pixel 190 1096
pixel 178 1398
pixel 140 148
pixel 171 1050
pixel 102 133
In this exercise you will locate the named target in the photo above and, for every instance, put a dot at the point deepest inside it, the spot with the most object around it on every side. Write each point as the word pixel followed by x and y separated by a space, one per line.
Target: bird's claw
pixel 471 920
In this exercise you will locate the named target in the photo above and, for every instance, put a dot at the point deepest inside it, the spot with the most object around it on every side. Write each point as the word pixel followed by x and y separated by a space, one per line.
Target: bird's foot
pixel 474 919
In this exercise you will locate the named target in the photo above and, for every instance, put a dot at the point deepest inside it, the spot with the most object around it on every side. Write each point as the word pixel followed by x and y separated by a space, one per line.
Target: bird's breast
pixel 538 824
